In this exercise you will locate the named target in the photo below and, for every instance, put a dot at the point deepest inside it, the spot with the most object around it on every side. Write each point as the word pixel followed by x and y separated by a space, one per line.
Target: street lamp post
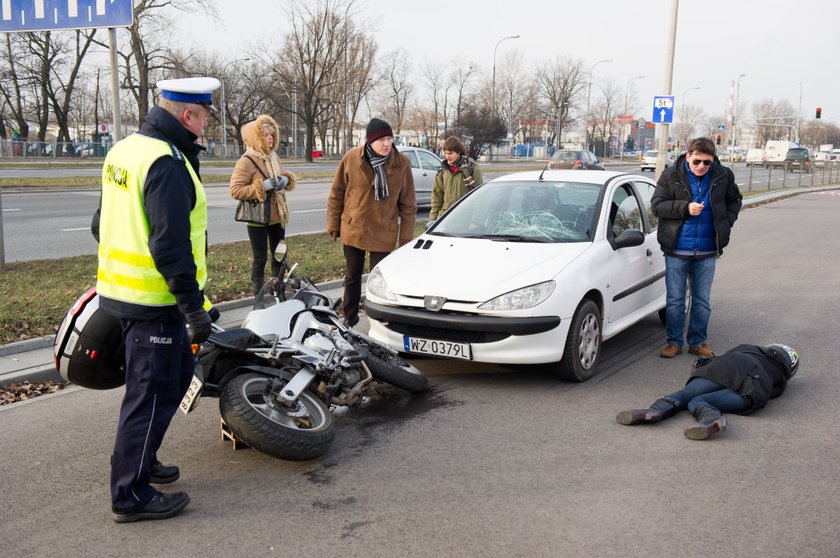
pixel 493 86
pixel 623 135
pixel 588 98
pixel 682 112
pixel 224 109
pixel 735 119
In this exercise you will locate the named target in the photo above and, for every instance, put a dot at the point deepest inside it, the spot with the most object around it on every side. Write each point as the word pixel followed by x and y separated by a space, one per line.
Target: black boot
pixel 257 284
pixel 661 409
pixel 709 421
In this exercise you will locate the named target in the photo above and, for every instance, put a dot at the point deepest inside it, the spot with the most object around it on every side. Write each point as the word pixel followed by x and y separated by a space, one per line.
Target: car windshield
pixel 528 211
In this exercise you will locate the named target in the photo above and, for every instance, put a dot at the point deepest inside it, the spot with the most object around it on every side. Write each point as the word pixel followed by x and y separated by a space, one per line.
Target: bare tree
pixel 511 84
pixel 605 115
pixel 309 63
pixel 15 85
pixel 433 74
pixel 397 87
pixel 360 75
pixel 774 120
pixel 690 118
pixel 460 80
pixel 561 82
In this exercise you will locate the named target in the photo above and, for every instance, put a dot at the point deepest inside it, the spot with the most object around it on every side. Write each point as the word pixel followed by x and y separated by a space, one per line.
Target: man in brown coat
pixel 371 206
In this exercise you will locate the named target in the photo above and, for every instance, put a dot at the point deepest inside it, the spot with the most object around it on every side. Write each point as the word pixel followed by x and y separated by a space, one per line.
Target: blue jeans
pixel 701 391
pixel 678 272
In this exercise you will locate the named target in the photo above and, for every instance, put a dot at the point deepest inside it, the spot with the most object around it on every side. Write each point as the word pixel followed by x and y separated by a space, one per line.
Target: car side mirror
pixel 630 237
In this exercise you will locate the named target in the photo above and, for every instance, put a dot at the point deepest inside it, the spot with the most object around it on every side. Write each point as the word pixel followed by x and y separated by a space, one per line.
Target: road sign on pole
pixel 663 109
pixel 50 15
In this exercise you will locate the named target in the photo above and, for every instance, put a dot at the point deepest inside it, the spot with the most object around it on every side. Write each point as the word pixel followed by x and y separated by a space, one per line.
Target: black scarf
pixel 380 183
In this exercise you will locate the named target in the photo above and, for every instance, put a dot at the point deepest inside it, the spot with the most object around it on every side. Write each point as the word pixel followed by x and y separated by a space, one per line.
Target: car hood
pixel 473 270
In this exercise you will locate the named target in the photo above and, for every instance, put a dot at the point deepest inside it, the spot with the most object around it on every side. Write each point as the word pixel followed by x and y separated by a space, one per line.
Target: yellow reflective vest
pixel 127 271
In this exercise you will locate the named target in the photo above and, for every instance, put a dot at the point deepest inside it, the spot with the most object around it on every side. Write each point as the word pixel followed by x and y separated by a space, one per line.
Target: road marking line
pixel 10 210
pixel 310 210
pixel 72 230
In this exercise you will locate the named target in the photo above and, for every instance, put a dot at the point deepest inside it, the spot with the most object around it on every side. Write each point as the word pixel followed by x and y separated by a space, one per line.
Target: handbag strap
pixel 256 165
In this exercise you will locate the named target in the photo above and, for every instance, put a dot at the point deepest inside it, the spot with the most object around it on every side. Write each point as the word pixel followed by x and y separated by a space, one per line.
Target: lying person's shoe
pixel 161 506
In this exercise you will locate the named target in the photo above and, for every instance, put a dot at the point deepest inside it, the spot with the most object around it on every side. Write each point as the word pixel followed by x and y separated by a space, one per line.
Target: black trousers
pixel 354 268
pixel 264 239
pixel 159 369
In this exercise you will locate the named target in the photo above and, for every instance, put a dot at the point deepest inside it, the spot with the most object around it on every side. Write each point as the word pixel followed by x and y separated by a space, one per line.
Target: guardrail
pixel 793 175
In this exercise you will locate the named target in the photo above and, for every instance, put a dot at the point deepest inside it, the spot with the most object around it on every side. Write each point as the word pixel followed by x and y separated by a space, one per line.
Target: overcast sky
pixel 783 46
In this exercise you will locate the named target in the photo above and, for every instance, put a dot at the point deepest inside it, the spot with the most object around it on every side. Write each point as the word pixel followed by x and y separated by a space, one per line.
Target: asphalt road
pixel 492 461
pixel 50 224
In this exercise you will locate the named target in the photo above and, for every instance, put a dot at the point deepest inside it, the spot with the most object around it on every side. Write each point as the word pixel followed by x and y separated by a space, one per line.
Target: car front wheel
pixel 583 344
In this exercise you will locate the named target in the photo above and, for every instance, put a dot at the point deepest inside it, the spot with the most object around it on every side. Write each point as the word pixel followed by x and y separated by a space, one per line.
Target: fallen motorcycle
pixel 276 377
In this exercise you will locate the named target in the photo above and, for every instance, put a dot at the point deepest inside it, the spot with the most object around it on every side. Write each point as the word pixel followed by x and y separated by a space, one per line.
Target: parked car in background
pixel 755 157
pixel 424 167
pixel 531 268
pixel 575 159
pixel 775 152
pixel 797 159
pixel 650 157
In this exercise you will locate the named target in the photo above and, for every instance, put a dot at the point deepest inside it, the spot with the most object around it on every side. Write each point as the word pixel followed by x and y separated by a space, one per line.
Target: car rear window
pixel 797 153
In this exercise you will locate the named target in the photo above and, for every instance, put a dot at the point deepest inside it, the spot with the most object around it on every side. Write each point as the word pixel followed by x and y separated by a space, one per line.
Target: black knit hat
pixel 377 129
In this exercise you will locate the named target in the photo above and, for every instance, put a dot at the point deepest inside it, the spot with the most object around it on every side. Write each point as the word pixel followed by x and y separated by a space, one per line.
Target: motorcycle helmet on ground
pixel 787 356
pixel 89 349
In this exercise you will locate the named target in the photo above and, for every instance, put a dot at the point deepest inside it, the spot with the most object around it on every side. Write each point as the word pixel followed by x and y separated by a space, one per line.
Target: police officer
pixel 741 381
pixel 152 271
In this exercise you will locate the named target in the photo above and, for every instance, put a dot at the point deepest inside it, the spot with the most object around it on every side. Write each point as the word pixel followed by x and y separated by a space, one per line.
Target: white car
pixel 424 167
pixel 649 160
pixel 534 267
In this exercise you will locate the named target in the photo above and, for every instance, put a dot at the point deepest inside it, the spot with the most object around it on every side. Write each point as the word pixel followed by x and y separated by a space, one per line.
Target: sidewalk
pixel 32 360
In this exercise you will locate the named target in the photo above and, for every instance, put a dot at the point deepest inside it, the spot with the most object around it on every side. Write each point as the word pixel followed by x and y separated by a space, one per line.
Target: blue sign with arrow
pixel 663 109
pixel 49 15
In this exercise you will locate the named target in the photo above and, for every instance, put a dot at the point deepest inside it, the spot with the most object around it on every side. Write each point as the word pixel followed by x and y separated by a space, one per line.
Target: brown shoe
pixel 670 351
pixel 702 350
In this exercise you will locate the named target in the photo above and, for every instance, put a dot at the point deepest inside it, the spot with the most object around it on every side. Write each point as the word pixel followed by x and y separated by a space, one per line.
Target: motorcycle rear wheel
pixel 392 369
pixel 303 432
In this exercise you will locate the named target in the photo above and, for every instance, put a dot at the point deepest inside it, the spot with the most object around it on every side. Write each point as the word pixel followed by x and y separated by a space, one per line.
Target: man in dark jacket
pixel 741 381
pixel 697 202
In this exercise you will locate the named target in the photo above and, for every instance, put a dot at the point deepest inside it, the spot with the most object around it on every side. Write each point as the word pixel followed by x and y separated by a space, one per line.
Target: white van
pixel 775 152
pixel 755 157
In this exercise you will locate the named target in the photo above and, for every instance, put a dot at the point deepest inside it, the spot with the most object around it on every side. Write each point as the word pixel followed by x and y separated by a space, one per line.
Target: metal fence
pixel 794 176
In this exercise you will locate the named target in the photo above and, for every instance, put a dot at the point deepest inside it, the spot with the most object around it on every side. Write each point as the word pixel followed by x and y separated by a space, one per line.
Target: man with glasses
pixel 697 202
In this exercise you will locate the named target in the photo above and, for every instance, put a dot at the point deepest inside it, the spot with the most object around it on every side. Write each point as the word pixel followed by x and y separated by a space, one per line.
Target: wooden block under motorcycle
pixel 227 434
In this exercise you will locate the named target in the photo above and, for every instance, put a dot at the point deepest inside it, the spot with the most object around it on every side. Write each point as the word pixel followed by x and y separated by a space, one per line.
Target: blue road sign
pixel 48 15
pixel 663 109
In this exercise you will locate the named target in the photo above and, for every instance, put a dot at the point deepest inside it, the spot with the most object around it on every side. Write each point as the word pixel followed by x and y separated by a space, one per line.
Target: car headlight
pixel 520 299
pixel 378 286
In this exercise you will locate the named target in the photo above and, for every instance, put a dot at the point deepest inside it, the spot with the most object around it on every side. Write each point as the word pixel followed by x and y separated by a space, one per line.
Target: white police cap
pixel 197 90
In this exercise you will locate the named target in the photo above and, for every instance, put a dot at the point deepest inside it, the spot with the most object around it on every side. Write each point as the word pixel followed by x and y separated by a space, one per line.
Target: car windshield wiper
pixel 510 237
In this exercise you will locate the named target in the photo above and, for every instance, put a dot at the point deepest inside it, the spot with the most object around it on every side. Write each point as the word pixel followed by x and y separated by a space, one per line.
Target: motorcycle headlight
pixel 520 299
pixel 378 286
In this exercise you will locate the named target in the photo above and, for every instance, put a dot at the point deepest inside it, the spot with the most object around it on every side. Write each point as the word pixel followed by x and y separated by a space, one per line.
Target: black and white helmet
pixel 787 356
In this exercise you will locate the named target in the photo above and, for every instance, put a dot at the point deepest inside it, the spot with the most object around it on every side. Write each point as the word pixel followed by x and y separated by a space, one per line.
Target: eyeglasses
pixel 704 162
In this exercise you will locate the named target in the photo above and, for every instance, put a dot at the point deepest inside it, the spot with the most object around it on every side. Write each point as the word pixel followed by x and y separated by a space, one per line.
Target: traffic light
pixel 717 139
pixel 819 113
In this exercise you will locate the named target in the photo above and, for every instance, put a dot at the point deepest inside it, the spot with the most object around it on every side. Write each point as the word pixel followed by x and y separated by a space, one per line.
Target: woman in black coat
pixel 741 381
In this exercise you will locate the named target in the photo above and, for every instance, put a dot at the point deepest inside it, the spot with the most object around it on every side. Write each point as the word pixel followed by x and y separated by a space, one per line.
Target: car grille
pixel 454 335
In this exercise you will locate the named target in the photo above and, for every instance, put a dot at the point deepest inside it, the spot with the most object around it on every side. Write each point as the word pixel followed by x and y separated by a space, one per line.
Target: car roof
pixel 567 175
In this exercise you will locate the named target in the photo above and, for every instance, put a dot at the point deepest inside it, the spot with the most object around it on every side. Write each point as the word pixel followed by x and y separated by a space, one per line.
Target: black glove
pixel 199 322
pixel 269 184
pixel 214 314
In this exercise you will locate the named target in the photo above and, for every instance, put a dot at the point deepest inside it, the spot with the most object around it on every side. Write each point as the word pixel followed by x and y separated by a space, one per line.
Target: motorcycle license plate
pixel 190 400
pixel 434 347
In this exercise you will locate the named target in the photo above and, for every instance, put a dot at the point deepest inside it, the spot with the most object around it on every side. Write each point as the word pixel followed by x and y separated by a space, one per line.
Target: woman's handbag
pixel 254 211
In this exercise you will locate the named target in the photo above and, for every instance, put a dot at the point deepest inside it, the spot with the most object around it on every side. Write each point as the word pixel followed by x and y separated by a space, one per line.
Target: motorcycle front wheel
pixel 303 431
pixel 390 368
